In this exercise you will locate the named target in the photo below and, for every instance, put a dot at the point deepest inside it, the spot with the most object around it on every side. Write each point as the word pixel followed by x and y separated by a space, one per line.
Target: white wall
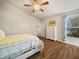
pixel 43 26
pixel 60 27
pixel 15 21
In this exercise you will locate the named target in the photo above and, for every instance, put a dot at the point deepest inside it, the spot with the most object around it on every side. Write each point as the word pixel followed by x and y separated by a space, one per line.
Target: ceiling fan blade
pixel 45 3
pixel 41 10
pixel 34 0
pixel 27 5
pixel 33 10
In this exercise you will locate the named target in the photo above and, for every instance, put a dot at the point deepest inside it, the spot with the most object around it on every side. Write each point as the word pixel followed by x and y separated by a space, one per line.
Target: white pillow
pixel 2 34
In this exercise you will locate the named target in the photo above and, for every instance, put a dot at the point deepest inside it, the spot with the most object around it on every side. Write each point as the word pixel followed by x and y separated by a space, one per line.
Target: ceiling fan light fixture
pixel 36 6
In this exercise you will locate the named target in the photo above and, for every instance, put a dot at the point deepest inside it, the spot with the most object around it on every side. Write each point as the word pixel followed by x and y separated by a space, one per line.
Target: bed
pixel 19 46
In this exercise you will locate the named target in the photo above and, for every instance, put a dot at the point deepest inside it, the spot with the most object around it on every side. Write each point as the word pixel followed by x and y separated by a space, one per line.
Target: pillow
pixel 2 34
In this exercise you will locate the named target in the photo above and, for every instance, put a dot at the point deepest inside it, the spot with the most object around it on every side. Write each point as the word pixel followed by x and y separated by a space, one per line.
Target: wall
pixel 15 21
pixel 43 26
pixel 60 27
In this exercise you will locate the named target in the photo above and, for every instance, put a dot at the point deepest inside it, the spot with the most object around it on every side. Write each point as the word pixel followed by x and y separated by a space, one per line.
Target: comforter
pixel 15 45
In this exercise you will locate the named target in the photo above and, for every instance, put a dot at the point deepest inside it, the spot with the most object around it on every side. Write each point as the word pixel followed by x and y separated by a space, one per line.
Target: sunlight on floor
pixel 72 40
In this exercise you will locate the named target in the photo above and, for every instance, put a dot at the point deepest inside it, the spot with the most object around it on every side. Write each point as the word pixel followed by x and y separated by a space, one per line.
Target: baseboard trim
pixel 46 38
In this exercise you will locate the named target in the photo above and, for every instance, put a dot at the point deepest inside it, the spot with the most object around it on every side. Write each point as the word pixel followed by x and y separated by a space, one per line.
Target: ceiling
pixel 54 7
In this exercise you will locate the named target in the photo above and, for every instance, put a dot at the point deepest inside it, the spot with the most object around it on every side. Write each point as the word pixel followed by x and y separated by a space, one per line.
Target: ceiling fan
pixel 37 5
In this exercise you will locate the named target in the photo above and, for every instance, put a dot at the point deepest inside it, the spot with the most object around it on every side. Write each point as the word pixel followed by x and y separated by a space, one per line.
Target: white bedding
pixel 12 51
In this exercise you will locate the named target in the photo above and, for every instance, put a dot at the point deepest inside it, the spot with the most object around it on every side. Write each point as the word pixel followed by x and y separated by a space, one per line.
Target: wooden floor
pixel 57 50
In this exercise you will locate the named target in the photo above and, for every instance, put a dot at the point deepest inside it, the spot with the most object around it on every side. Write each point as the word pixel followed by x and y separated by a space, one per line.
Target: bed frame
pixel 28 54
pixel 31 52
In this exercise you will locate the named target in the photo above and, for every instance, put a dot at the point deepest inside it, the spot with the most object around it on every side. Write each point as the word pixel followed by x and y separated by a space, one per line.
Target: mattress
pixel 15 45
pixel 8 40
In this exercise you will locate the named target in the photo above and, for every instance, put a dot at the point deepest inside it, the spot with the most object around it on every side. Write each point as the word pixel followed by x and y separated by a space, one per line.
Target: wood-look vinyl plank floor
pixel 57 50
